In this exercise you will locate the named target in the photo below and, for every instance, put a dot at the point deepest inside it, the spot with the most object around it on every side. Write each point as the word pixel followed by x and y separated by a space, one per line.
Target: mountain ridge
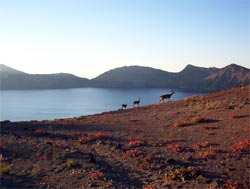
pixel 12 79
pixel 190 78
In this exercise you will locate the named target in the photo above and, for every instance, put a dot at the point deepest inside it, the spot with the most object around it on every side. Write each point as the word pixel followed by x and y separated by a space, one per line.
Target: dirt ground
pixel 198 142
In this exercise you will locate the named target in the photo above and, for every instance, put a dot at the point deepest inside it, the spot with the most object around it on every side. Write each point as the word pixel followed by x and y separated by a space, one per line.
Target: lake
pixel 22 105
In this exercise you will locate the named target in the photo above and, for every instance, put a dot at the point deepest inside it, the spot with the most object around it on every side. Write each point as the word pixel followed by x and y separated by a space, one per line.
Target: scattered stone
pixel 49 143
pixel 91 158
pixel 118 146
pixel 170 160
pixel 213 184
pixel 201 179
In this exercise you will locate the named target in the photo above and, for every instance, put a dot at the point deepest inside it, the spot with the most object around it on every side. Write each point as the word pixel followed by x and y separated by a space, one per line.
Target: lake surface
pixel 64 103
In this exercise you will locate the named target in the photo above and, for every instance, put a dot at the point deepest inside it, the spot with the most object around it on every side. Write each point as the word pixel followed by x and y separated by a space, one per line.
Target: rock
pixel 49 143
pixel 118 147
pixel 213 184
pixel 91 158
pixel 201 179
pixel 170 160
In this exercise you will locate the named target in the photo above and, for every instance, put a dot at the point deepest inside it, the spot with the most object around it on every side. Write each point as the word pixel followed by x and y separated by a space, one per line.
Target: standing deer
pixel 124 106
pixel 137 102
pixel 166 96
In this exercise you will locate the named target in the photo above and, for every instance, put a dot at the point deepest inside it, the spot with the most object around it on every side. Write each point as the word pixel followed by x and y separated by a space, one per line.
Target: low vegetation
pixel 198 142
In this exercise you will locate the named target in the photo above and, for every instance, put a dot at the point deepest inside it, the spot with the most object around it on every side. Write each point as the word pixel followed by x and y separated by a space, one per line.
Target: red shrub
pixel 148 187
pixel 41 158
pixel 174 147
pixel 206 127
pixel 240 146
pixel 210 153
pixel 59 144
pixel 175 113
pixel 97 175
pixel 132 153
pixel 213 150
pixel 135 143
pixel 233 116
pixel 188 116
pixel 84 140
pixel 98 135
pixel 201 145
pixel 233 184
pixel 204 154
pixel 40 132
pixel 247 129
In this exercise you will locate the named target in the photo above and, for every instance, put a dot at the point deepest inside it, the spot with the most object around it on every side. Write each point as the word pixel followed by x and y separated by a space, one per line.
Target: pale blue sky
pixel 89 37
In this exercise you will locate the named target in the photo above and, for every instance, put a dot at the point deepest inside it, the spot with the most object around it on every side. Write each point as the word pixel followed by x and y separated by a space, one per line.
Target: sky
pixel 89 37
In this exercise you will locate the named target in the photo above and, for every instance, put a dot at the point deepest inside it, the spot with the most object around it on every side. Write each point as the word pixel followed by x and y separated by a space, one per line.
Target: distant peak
pixel 9 70
pixel 190 67
pixel 233 65
pixel 193 66
pixel 3 66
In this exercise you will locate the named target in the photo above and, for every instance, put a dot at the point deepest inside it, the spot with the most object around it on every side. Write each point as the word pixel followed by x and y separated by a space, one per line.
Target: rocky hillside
pixel 228 77
pixel 197 142
pixel 190 78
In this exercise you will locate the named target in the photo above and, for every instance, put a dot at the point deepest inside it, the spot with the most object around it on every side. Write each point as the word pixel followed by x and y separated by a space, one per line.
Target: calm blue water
pixel 65 103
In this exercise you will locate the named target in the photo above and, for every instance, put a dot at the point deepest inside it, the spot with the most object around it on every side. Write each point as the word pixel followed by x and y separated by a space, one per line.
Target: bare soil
pixel 198 142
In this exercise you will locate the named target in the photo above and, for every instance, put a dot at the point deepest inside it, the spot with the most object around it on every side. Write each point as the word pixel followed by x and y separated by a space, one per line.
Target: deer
pixel 124 106
pixel 166 96
pixel 137 102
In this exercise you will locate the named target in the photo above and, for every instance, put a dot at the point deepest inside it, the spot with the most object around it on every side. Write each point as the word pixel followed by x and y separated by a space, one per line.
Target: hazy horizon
pixel 89 37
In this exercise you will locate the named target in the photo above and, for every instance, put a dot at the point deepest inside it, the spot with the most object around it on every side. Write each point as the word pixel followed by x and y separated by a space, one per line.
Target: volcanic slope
pixel 198 142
